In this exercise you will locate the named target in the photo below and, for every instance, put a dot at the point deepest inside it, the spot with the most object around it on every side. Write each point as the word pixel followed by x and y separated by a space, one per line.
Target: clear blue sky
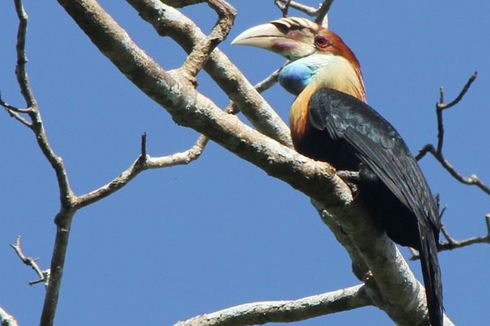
pixel 188 240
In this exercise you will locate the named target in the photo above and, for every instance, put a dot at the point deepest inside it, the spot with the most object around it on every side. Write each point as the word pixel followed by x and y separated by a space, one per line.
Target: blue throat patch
pixel 295 76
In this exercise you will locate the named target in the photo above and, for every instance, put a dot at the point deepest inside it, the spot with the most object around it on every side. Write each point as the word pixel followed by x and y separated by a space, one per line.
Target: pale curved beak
pixel 278 38
pixel 261 36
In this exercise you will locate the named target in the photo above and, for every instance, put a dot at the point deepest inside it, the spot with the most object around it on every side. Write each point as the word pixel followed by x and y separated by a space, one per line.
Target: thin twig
pixel 452 243
pixel 283 6
pixel 32 262
pixel 64 217
pixel 15 114
pixel 20 71
pixel 143 145
pixel 310 11
pixel 471 180
pixel 12 108
pixel 443 106
pixel 168 21
pixel 446 235
pixel 142 163
pixel 321 18
pixel 200 54
pixel 261 86
pixel 438 153
pixel 32 109
pixel 268 82
pixel 320 13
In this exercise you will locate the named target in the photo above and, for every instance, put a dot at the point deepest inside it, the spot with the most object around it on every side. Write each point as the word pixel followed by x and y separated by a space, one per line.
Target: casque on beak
pixel 279 37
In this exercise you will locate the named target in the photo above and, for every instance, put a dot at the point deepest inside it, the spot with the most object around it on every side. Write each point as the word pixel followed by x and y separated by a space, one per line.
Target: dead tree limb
pixel 319 13
pixel 32 262
pixel 142 163
pixel 441 106
pixel 69 201
pixel 168 21
pixel 259 313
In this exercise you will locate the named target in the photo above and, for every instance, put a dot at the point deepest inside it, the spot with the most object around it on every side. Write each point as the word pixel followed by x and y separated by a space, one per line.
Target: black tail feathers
pixel 432 276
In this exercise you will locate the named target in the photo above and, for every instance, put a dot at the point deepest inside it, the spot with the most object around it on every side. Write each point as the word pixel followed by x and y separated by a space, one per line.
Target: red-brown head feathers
pixel 317 56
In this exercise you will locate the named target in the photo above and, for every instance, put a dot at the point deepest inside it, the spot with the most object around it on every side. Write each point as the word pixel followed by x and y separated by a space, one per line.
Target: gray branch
pixel 69 202
pixel 285 311
pixel 200 54
pixel 168 21
pixel 32 262
pixel 441 106
pixel 319 13
pixel 142 163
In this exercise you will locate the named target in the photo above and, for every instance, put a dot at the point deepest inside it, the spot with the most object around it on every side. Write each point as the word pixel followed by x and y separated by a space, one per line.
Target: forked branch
pixel 200 54
pixel 69 202
pixel 32 262
pixel 441 106
pixel 320 13
pixel 142 163
pixel 168 21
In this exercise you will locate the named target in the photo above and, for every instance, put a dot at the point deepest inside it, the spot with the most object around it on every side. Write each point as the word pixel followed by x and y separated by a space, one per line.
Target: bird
pixel 331 121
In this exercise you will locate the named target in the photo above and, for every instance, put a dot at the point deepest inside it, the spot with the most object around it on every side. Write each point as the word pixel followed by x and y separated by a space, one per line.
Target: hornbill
pixel 330 121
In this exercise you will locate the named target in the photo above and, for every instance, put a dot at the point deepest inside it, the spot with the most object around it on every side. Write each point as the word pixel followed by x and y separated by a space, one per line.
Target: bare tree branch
pixel 191 109
pixel 20 71
pixel 15 113
pixel 261 86
pixel 200 54
pixel 443 106
pixel 471 180
pixel 7 319
pixel 310 11
pixel 168 21
pixel 285 311
pixel 268 82
pixel 452 243
pixel 377 259
pixel 437 153
pixel 283 6
pixel 29 261
pixel 320 13
pixel 33 108
pixel 142 163
pixel 64 217
pixel 70 203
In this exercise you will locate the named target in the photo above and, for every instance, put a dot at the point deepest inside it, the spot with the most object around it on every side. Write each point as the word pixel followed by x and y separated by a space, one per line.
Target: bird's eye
pixel 321 41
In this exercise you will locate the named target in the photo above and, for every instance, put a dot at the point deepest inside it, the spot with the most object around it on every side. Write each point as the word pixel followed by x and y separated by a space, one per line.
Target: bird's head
pixel 316 55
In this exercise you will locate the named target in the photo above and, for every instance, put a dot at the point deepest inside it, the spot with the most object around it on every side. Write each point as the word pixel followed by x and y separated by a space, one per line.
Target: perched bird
pixel 330 121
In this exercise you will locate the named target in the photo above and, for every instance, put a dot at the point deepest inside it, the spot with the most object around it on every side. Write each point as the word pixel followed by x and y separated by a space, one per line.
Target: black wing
pixel 379 146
